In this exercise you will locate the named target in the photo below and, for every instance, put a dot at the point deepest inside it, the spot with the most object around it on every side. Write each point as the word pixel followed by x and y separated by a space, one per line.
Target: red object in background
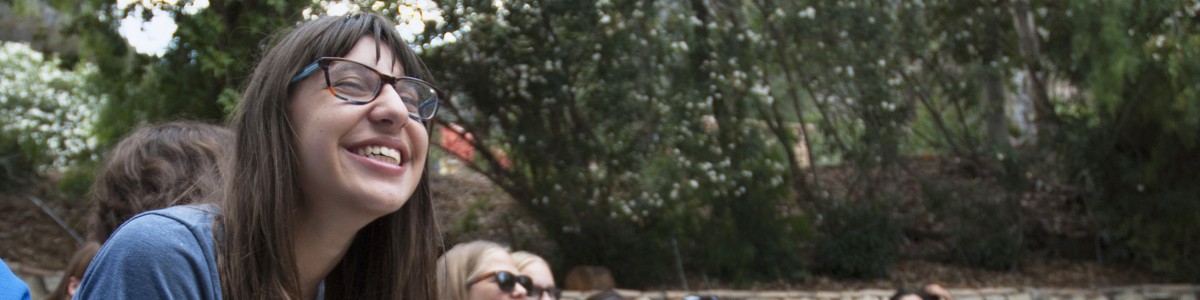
pixel 457 144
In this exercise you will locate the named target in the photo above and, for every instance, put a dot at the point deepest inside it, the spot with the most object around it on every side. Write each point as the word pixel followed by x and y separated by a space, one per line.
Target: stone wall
pixel 1136 292
pixel 41 281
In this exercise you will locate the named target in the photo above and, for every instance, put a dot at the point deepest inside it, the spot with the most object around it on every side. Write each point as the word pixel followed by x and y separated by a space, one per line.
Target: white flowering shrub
pixel 47 112
pixel 628 130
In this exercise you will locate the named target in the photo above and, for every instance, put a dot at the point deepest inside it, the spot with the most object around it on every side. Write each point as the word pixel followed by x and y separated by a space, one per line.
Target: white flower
pixel 808 12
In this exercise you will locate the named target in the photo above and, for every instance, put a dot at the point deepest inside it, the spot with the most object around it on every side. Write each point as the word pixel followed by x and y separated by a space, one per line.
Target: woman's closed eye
pixel 354 80
pixel 351 83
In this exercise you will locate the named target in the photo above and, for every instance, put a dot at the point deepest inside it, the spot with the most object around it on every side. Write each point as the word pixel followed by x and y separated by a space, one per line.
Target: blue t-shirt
pixel 11 287
pixel 160 254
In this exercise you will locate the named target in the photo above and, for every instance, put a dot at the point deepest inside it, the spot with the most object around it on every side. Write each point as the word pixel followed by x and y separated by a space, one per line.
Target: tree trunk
pixel 995 120
pixel 1047 120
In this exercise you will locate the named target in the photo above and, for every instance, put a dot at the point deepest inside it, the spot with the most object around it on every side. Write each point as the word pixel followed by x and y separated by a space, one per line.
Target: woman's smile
pixel 381 153
pixel 381 159
pixel 387 154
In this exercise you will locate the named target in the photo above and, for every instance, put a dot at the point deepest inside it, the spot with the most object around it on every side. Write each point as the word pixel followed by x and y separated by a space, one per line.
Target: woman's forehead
pixel 367 50
pixel 495 261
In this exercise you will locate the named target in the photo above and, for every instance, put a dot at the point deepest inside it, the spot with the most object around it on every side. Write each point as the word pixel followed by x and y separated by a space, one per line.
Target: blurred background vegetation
pixel 745 141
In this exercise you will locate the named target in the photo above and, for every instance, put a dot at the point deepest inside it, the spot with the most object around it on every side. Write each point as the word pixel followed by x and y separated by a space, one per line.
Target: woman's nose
pixel 519 291
pixel 389 109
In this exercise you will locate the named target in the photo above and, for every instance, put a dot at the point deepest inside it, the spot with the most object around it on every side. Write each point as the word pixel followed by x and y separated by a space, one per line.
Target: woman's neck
pixel 321 239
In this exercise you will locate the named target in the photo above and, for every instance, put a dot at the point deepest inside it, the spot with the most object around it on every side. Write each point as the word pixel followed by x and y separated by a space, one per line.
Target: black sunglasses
pixel 507 281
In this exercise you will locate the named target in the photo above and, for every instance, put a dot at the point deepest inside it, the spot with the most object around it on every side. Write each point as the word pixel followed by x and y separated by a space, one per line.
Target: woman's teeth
pixel 381 153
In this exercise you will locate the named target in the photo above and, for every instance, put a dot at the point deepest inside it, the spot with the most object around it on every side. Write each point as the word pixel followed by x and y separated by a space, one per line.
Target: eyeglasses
pixel 507 281
pixel 357 83
pixel 535 292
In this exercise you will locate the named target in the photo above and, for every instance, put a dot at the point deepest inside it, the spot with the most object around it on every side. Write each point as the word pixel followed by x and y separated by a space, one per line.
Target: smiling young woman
pixel 327 195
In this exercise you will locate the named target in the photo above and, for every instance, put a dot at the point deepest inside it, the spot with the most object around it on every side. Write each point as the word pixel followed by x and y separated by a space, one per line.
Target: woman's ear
pixel 73 286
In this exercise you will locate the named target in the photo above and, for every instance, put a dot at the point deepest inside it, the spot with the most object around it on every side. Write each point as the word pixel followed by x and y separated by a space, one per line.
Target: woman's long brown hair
pixel 393 257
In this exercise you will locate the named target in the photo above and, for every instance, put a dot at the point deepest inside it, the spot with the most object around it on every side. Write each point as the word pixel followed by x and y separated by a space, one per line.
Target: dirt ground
pixel 469 207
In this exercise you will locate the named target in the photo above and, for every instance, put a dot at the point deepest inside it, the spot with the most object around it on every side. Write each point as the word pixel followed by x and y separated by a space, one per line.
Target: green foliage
pixel 748 227
pixel 858 240
pixel 1135 151
pixel 984 226
pixel 196 78
pixel 628 125
pixel 16 170
pixel 76 183
pixel 470 220
pixel 1160 228
pixel 624 127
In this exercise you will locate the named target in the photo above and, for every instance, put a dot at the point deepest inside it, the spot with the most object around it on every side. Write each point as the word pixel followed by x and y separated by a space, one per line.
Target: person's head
pixel 479 270
pixel 538 270
pixel 157 166
pixel 912 294
pixel 307 143
pixel 613 295
pixel 74 272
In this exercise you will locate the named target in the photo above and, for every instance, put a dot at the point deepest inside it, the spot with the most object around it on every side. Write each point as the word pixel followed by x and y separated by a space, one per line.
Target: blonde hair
pixel 460 264
pixel 523 259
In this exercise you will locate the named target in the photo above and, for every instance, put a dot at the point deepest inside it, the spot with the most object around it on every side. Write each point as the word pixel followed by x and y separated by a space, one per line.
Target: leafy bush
pixel 1150 207
pixel 623 138
pixel 1133 146
pixel 16 169
pixel 858 240
pixel 984 226
pixel 992 239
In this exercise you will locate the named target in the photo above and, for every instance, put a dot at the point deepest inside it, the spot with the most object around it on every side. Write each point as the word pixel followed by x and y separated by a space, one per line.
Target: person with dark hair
pixel 326 195
pixel 610 294
pixel 157 166
pixel 928 292
pixel 153 167
pixel 74 273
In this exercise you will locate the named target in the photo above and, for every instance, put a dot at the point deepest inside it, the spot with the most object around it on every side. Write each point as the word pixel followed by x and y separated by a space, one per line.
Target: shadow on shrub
pixel 858 240
pixel 982 224
pixel 16 169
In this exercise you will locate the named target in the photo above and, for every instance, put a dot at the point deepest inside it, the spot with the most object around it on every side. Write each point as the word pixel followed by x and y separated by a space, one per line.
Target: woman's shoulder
pixel 157 253
pixel 188 229
pixel 191 213
pixel 192 217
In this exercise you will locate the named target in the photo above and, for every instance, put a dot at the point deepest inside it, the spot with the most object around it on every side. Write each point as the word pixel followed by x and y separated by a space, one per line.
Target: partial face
pixel 357 160
pixel 542 279
pixel 489 288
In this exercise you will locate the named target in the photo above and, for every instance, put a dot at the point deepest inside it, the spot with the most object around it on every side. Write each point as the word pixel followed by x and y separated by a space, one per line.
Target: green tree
pixel 622 126
pixel 198 76
pixel 1134 125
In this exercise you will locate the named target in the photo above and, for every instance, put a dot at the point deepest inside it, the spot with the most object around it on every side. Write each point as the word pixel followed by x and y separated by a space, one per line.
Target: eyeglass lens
pixel 358 83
